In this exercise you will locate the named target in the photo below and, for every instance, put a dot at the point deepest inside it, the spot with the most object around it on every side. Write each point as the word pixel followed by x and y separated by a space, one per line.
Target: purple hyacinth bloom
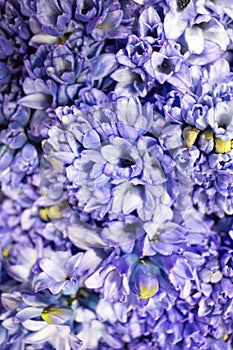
pixel 28 7
pixel 220 120
pixel 55 77
pixel 131 82
pixel 54 16
pixel 13 23
pixel 136 53
pixel 9 108
pixel 44 319
pixel 211 272
pixel 169 238
pixel 227 263
pixel 143 281
pixel 96 322
pixel 109 24
pixel 20 262
pixel 168 65
pixel 195 21
pixel 61 65
pixel 102 67
pixel 150 26
pixel 177 19
pixel 115 286
pixel 6 47
pixel 26 160
pixel 57 273
pixel 116 159
pixel 6 156
pixel 13 136
pixel 86 10
pixel 110 174
pixel 123 233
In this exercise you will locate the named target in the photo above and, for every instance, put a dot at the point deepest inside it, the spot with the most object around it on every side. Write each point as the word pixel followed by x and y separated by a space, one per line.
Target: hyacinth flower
pixel 13 136
pixel 143 282
pixel 150 26
pixel 193 19
pixel 208 135
pixel 108 25
pixel 165 240
pixel 86 10
pixel 63 278
pixel 54 16
pixel 40 320
pixel 111 165
pixel 168 65
pixel 54 77
pixel 116 174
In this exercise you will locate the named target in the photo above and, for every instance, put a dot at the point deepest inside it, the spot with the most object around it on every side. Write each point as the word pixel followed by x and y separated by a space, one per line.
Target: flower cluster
pixel 116 172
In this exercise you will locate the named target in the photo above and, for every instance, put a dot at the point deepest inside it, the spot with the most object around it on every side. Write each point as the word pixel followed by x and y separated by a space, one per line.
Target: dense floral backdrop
pixel 116 173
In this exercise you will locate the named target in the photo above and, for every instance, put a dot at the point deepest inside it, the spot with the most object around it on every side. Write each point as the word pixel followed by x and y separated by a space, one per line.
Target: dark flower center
pixel 182 3
pixel 166 67
pixel 140 51
pixel 223 125
pixel 88 5
pixel 126 162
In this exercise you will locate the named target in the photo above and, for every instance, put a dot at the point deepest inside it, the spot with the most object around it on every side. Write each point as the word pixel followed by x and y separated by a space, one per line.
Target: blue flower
pixel 26 160
pixel 219 119
pixel 123 233
pixel 109 24
pixel 131 82
pixel 168 65
pixel 61 65
pixel 195 21
pixel 87 10
pixel 6 156
pixel 143 281
pixel 168 238
pixel 13 136
pixel 6 48
pixel 116 174
pixel 57 273
pixel 50 327
pixel 177 18
pixel 93 322
pixel 111 174
pixel 54 16
pixel 136 53
pixel 55 77
pixel 150 26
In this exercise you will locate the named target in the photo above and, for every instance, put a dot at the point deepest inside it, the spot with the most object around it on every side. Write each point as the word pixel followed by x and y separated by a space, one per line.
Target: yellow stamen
pixel 155 238
pixel 222 146
pixel 50 213
pixel 225 337
pixel 43 214
pixel 6 251
pixel 63 39
pixel 54 212
pixel 102 26
pixel 55 162
pixel 190 136
pixel 43 142
pixel 148 292
pixel 49 312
